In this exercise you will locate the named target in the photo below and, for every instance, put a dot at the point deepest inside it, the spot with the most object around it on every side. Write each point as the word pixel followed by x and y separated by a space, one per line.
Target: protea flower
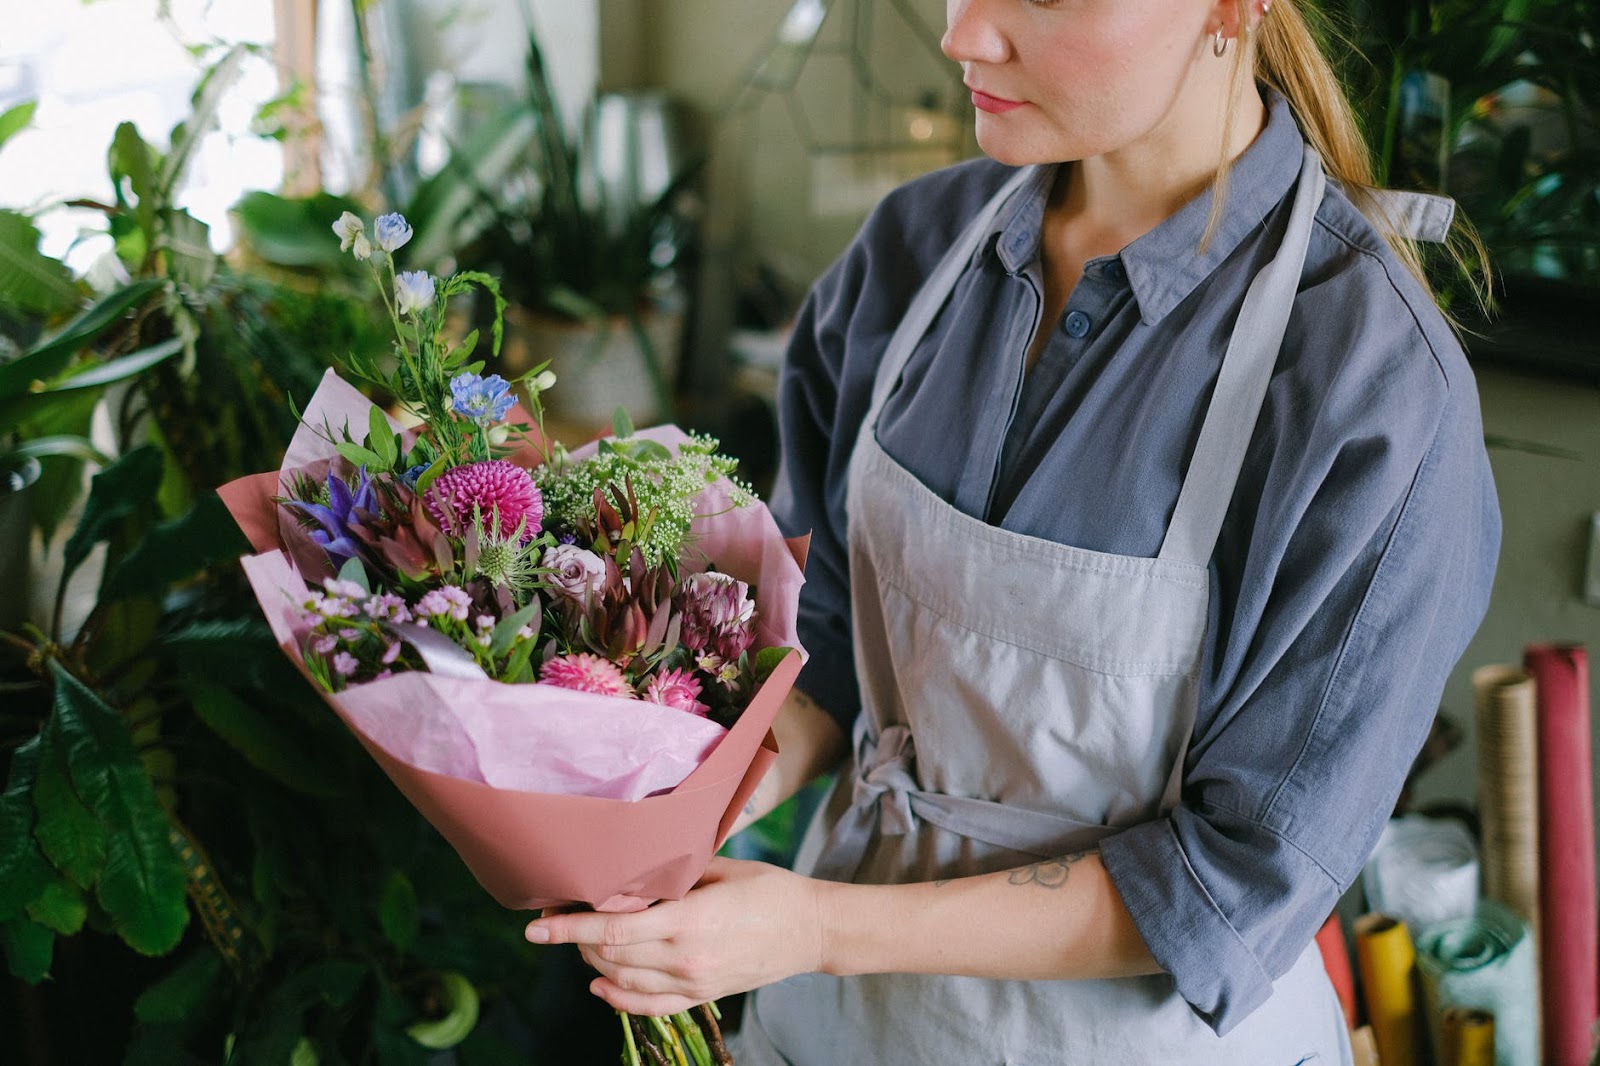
pixel 718 615
pixel 495 489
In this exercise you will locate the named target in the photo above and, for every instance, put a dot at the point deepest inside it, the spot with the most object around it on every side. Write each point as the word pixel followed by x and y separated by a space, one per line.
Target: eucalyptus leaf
pixel 352 570
pixel 143 883
pixel 767 660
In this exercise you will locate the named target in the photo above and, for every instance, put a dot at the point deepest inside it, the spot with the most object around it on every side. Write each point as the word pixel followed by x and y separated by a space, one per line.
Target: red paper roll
pixel 1336 960
pixel 1569 948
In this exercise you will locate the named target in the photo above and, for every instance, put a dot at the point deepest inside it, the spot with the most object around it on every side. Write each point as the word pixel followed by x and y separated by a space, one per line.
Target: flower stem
pixel 630 1052
pixel 709 1014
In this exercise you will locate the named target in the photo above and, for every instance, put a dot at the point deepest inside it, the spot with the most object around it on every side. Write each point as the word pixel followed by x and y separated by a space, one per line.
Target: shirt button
pixel 1077 324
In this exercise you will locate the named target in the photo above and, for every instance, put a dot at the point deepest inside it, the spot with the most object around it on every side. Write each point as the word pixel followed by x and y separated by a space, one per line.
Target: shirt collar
pixel 1165 265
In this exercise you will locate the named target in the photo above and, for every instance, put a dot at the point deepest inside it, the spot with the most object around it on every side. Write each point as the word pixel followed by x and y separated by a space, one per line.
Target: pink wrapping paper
pixel 494 767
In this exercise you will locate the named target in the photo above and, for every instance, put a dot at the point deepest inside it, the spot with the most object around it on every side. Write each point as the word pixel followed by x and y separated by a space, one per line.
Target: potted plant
pixel 588 258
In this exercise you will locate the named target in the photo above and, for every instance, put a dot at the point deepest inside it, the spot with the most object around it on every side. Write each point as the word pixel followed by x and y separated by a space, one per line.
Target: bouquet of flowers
pixel 567 661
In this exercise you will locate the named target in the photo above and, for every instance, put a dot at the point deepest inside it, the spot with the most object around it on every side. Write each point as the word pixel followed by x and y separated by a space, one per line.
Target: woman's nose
pixel 971 33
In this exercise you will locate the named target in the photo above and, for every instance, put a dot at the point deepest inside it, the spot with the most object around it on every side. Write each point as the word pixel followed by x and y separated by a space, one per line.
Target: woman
pixel 1150 512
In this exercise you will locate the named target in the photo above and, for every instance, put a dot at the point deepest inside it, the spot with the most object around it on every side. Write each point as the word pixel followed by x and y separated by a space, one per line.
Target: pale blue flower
pixel 484 400
pixel 392 230
pixel 413 291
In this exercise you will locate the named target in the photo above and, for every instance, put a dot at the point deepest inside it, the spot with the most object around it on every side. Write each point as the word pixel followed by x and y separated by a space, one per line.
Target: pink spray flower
pixel 583 672
pixel 678 689
pixel 492 487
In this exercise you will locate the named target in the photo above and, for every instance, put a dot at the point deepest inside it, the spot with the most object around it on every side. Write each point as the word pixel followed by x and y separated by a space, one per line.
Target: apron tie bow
pixel 884 778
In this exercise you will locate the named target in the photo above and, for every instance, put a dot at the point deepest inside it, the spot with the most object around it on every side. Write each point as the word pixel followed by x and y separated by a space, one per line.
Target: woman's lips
pixel 994 105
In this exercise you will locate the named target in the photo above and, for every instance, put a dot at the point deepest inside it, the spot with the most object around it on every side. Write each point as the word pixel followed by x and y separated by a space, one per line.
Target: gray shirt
pixel 1354 565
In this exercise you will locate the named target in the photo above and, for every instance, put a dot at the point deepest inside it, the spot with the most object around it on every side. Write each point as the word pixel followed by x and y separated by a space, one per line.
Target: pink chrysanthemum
pixel 586 673
pixel 494 486
pixel 678 689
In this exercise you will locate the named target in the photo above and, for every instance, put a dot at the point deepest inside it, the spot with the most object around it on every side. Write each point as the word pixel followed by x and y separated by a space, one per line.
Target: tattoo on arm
pixel 1051 873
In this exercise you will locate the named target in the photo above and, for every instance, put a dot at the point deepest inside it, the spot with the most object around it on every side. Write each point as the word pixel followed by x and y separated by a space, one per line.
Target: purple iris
pixel 338 518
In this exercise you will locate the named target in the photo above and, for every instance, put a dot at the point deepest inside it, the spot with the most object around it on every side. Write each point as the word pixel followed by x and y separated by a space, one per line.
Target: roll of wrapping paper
pixel 1387 961
pixel 1485 962
pixel 1336 960
pixel 1508 787
pixel 1569 941
pixel 1466 1038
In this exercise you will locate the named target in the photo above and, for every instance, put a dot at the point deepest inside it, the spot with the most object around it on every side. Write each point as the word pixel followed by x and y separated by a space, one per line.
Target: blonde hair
pixel 1287 57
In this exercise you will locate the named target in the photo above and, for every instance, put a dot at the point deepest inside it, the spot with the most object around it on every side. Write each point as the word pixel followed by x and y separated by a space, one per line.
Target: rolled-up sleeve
pixel 1342 596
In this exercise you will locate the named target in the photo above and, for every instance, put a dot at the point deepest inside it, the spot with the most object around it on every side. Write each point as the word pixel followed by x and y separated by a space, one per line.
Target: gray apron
pixel 1024 699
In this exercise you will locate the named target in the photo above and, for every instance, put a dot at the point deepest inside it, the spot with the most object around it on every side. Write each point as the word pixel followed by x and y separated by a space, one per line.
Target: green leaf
pixel 23 870
pixel 31 281
pixel 62 444
pixel 131 158
pixel 182 994
pixel 767 660
pixel 426 479
pixel 296 233
pixel 352 570
pixel 203 105
pixel 115 494
pixel 142 885
pixel 397 911
pixel 505 631
pixel 48 358
pixel 361 456
pixel 261 741
pixel 60 908
pixel 68 832
pixel 15 119
pixel 460 1000
pixel 380 438
pixel 119 369
pixel 621 424
pixel 187 241
pixel 169 552
pixel 29 947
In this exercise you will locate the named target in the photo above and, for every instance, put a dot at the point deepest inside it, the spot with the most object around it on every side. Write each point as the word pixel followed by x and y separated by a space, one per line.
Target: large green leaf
pixel 173 550
pixel 142 886
pixel 397 911
pixel 70 834
pixel 55 395
pixel 295 233
pixel 255 736
pixel 440 210
pixel 29 947
pixel 191 262
pixel 30 281
pixel 184 993
pixel 131 160
pixel 50 357
pixel 60 483
pixel 23 870
pixel 115 494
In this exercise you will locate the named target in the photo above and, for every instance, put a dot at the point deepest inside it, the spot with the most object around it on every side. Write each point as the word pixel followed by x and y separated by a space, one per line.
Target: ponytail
pixel 1289 59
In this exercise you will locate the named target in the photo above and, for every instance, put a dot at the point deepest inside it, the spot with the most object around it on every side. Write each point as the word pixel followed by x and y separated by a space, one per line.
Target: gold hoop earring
pixel 1219 44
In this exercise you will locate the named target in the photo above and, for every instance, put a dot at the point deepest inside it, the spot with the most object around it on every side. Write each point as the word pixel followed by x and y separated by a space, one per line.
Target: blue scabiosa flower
pixel 413 291
pixel 412 475
pixel 392 231
pixel 484 400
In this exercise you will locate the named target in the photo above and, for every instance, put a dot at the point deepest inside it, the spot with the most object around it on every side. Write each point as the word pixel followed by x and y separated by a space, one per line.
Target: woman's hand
pixel 744 925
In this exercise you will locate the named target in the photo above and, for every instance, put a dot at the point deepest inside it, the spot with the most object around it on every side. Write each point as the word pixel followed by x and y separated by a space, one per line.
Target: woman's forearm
pixel 1055 919
pixel 810 743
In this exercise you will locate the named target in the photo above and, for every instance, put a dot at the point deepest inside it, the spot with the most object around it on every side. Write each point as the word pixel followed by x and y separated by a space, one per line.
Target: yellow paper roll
pixel 1467 1037
pixel 1387 961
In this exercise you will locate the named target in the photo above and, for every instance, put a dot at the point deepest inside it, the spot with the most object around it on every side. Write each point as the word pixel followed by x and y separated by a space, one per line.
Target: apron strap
pixel 1242 383
pixel 935 291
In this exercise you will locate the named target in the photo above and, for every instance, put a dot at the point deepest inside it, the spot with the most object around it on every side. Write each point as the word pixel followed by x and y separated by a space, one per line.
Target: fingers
pixel 636 1002
pixel 613 930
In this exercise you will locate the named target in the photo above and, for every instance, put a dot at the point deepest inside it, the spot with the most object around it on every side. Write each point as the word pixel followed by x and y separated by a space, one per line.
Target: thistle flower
pixel 718 615
pixel 583 672
pixel 494 487
pixel 353 233
pixel 392 231
pixel 413 291
pixel 678 689
pixel 505 558
pixel 484 400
